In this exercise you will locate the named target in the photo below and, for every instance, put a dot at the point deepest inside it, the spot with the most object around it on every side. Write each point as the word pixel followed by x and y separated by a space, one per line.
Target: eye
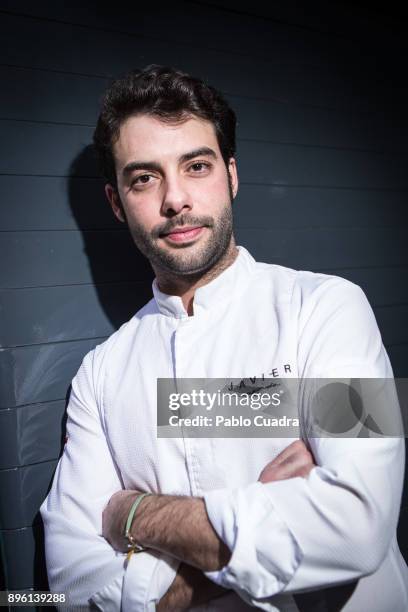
pixel 199 167
pixel 142 179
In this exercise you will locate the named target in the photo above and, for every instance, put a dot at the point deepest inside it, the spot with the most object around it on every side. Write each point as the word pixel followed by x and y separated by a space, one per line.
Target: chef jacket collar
pixel 213 293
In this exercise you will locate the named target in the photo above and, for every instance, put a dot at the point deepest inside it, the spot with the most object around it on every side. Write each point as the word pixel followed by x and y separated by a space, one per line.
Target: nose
pixel 176 196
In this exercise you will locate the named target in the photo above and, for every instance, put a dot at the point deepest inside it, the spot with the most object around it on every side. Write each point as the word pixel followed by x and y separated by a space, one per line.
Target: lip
pixel 184 234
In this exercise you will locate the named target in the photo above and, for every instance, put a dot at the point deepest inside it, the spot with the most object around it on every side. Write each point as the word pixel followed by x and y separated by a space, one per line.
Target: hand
pixel 294 460
pixel 189 588
pixel 114 518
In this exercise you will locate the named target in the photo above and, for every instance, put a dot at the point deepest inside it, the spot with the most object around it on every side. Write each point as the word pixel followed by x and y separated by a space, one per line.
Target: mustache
pixel 170 225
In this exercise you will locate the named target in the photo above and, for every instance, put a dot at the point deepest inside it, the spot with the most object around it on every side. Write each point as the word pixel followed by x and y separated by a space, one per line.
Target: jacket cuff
pixel 147 579
pixel 109 598
pixel 265 554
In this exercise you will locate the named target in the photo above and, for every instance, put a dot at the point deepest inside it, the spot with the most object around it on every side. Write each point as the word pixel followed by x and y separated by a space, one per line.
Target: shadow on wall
pixel 120 273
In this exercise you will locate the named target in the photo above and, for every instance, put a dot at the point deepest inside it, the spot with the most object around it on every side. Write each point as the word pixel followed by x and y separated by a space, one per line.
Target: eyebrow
pixel 155 166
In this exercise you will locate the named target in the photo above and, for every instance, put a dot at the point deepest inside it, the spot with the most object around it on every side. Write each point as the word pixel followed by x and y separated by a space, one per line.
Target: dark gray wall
pixel 320 98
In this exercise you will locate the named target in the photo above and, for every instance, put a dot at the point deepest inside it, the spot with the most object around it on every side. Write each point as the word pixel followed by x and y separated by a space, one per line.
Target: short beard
pixel 173 262
pixel 194 266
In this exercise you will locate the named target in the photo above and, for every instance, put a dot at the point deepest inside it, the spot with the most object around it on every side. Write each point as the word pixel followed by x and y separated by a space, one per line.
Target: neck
pixel 186 286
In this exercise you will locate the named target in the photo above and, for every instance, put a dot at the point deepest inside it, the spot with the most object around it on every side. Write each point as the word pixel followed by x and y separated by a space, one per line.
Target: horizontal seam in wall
pixel 373 267
pixel 274 99
pixel 308 28
pixel 304 145
pixel 53 342
pixel 73 229
pixel 392 305
pixel 18 467
pixel 53 401
pixel 96 285
pixel 328 35
pixel 71 285
pixel 35 525
pixel 249 183
pixel 252 228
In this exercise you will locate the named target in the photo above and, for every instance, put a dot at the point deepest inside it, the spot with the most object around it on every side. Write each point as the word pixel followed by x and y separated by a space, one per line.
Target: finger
pixel 296 465
pixel 297 450
pixel 298 446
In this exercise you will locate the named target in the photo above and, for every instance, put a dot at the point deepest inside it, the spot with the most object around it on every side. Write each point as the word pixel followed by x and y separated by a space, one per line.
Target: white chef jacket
pixel 336 526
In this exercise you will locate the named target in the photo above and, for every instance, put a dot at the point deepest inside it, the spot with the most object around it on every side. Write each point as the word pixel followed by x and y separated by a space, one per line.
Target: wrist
pixel 137 528
pixel 128 511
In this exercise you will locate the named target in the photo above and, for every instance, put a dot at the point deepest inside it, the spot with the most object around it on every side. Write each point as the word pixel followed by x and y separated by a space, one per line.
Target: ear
pixel 114 201
pixel 232 169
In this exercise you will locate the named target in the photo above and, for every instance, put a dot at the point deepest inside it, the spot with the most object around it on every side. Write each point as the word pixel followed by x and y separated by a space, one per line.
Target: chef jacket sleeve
pixel 80 562
pixel 336 525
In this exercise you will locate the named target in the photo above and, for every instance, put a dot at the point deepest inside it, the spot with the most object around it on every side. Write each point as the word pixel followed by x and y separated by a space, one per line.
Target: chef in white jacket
pixel 247 539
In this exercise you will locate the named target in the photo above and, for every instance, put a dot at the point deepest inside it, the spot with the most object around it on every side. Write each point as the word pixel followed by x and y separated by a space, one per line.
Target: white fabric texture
pixel 334 527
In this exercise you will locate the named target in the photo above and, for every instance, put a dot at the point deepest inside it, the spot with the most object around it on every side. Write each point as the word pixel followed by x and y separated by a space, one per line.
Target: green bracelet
pixel 134 546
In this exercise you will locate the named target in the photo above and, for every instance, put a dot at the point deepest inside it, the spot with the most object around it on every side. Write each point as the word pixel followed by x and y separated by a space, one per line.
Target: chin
pixel 186 264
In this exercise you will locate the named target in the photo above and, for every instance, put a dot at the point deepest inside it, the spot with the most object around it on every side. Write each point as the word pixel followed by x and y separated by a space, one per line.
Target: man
pixel 230 523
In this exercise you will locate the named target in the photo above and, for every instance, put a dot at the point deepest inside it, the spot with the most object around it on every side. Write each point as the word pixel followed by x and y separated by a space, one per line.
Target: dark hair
pixel 169 94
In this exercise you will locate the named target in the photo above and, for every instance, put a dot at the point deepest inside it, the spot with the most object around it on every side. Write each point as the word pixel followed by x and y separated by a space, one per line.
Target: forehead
pixel 146 138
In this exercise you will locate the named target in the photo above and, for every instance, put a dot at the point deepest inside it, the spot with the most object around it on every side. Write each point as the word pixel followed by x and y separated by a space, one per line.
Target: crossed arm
pixel 179 526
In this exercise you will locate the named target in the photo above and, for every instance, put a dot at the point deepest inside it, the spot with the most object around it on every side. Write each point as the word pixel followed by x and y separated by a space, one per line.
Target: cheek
pixel 212 192
pixel 140 213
